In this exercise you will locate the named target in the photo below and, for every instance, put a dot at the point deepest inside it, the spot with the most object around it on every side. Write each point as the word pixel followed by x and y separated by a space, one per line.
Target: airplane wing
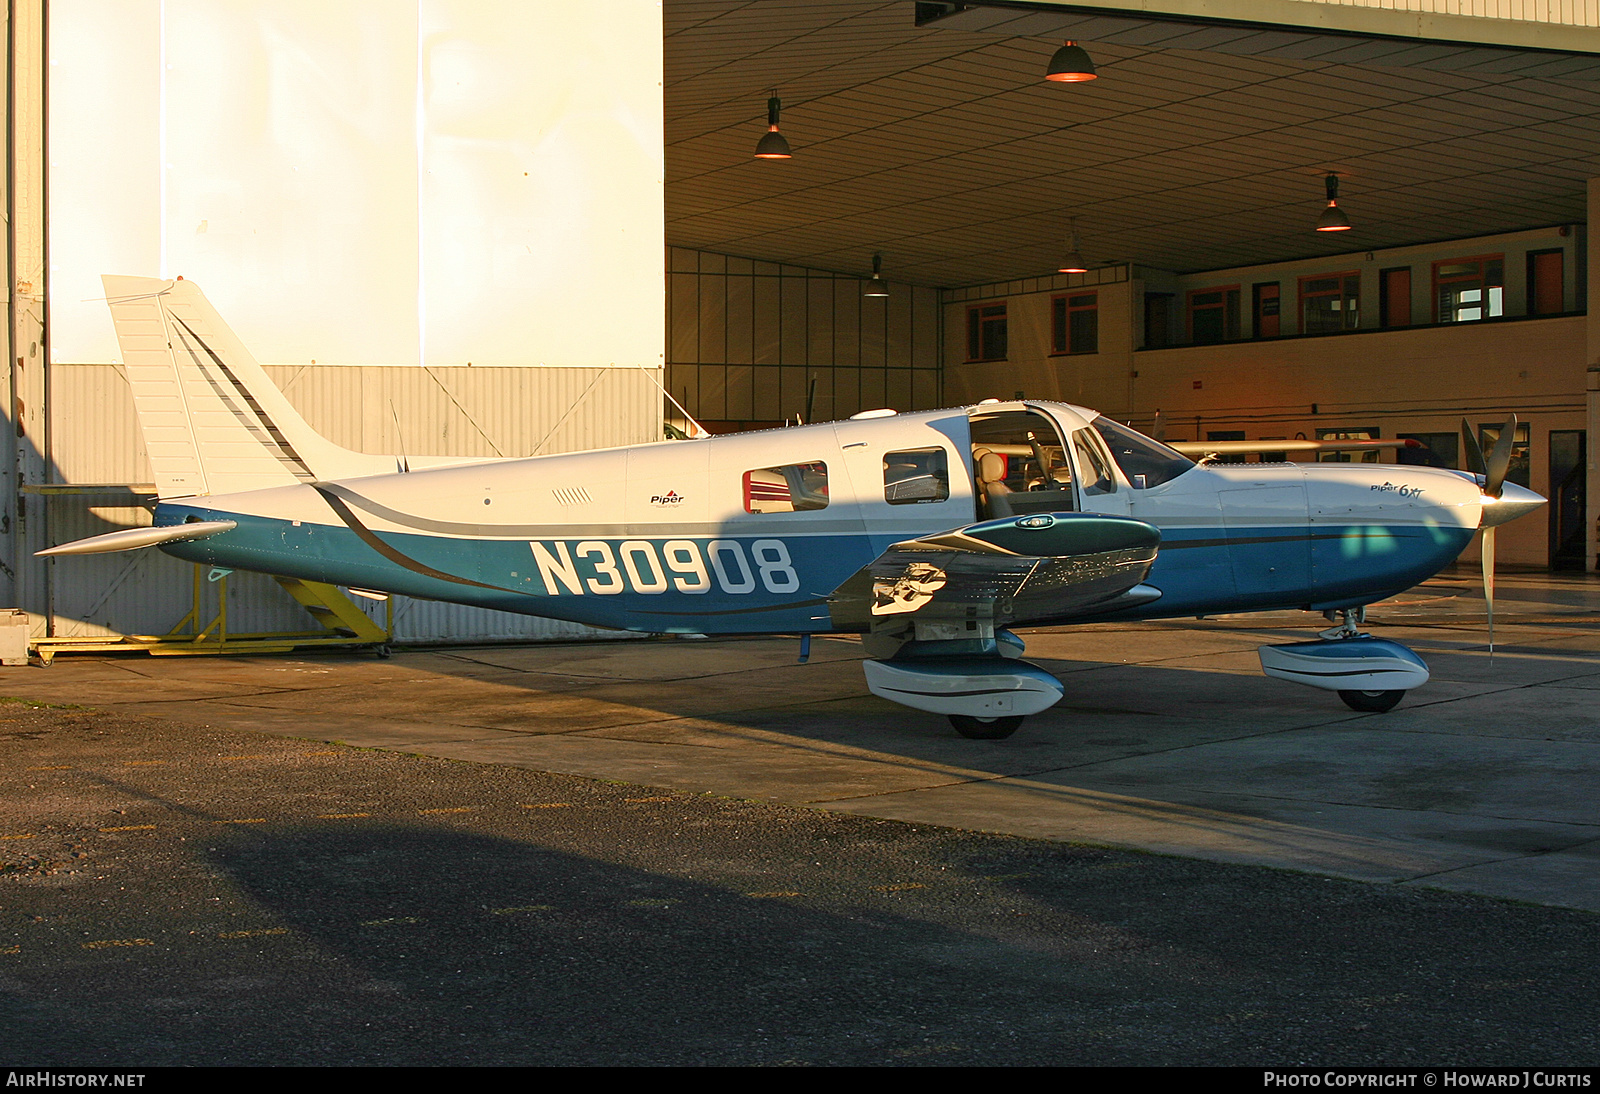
pixel 1043 566
pixel 1202 449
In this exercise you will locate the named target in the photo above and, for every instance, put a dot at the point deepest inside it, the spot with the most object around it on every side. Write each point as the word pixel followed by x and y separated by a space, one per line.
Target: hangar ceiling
pixel 944 148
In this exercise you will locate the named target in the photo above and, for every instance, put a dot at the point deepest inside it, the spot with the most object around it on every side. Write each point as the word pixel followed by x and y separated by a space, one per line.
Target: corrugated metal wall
pixel 437 411
pixel 745 340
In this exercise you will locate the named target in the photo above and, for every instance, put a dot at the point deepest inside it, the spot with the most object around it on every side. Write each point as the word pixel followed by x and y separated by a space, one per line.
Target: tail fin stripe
pixel 250 400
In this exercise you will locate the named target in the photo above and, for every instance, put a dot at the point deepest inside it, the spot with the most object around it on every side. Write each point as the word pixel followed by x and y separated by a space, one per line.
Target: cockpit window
pixel 916 475
pixel 788 489
pixel 1145 462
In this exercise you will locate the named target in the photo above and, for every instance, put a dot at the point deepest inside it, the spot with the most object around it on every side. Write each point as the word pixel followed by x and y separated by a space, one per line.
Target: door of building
pixel 1568 499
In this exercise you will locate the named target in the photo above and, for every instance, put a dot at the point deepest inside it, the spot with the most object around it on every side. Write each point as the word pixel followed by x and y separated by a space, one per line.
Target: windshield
pixel 1145 462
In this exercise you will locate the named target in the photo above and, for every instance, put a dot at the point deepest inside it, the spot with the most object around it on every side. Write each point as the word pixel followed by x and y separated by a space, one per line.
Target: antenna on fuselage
pixel 400 439
pixel 696 430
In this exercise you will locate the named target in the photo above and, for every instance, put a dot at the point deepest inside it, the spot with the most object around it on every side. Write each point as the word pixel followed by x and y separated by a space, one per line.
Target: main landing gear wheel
pixel 1371 702
pixel 986 729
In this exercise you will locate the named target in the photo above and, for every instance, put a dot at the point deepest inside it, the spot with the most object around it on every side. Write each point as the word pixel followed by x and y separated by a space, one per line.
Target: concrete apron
pixel 1170 739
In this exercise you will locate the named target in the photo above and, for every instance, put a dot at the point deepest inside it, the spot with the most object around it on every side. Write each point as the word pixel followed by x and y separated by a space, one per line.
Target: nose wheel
pixel 985 729
pixel 1371 702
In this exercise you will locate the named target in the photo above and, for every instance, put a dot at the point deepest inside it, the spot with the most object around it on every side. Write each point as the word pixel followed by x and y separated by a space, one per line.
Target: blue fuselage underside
pixel 743 583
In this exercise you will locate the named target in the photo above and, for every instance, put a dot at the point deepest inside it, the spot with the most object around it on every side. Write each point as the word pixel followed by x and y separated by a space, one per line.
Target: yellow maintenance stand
pixel 341 623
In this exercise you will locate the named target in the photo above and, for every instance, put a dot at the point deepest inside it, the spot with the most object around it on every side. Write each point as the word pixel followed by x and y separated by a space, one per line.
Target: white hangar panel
pixel 365 182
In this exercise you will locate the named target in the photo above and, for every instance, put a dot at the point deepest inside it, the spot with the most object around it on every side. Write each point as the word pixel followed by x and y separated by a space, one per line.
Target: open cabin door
pixel 1019 463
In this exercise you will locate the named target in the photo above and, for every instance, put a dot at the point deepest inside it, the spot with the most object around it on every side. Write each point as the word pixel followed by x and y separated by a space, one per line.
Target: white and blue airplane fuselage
pixel 930 533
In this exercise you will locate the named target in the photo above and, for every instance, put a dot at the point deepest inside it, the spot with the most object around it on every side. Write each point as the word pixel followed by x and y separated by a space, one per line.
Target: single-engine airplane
pixel 930 534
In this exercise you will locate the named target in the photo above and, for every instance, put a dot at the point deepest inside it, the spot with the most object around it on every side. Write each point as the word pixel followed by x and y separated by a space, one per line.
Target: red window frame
pixel 1230 323
pixel 1061 332
pixel 1482 277
pixel 1343 277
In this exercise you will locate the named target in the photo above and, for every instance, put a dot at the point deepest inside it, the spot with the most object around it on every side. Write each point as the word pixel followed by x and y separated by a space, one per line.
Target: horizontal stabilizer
pixel 131 539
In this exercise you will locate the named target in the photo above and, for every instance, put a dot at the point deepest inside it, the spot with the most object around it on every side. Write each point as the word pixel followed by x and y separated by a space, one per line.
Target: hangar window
pixel 986 332
pixel 1330 303
pixel 1214 315
pixel 1438 449
pixel 1469 289
pixel 1369 455
pixel 916 475
pixel 1075 323
pixel 789 489
pixel 1489 433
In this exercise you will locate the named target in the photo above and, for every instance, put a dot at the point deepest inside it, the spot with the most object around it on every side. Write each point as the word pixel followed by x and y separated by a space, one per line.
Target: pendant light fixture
pixel 876 288
pixel 772 146
pixel 1333 218
pixel 1073 262
pixel 1070 65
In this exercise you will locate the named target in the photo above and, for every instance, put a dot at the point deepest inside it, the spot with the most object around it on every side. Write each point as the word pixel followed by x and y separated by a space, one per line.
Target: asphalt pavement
pixel 702 852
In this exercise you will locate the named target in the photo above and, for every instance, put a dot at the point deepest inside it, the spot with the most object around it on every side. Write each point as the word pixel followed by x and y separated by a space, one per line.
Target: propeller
pixel 1493 469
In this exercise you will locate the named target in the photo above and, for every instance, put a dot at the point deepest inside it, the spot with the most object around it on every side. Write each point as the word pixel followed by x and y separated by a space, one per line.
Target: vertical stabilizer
pixel 213 422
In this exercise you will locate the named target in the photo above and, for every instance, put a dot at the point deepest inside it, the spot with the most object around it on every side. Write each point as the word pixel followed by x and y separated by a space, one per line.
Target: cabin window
pixel 792 488
pixel 1469 289
pixel 986 332
pixel 915 476
pixel 1330 303
pixel 1075 323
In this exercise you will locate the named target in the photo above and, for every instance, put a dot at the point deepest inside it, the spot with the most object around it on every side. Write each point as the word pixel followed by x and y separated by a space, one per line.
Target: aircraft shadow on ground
pixel 406 944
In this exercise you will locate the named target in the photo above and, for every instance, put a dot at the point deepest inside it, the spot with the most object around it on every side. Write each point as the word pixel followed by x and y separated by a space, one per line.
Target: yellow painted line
pixel 254 756
pixel 453 809
pixel 340 816
pixel 244 820
pixel 129 828
pixel 107 943
pixel 24 835
pixel 548 805
pixel 402 919
pixel 523 908
pixel 11 949
pixel 764 896
pixel 254 934
pixel 665 799
pixel 142 763
pixel 52 767
pixel 900 887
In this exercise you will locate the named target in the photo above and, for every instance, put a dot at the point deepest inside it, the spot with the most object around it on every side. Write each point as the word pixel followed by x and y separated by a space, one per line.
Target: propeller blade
pixel 1500 458
pixel 1488 583
pixel 1469 445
